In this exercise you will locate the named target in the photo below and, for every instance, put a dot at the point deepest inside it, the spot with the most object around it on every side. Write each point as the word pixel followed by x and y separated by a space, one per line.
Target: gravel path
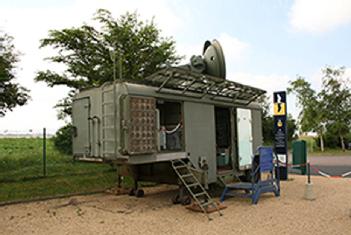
pixel 330 213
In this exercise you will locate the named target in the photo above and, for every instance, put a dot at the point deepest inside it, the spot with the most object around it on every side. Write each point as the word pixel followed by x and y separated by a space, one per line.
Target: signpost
pixel 280 132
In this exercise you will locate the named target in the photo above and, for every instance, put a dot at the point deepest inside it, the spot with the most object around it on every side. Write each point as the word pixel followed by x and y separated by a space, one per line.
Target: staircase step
pixel 194 184
pixel 178 167
pixel 208 203
pixel 187 175
pixel 200 194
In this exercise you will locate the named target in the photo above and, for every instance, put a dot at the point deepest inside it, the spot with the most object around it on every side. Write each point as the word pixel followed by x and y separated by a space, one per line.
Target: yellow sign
pixel 279 109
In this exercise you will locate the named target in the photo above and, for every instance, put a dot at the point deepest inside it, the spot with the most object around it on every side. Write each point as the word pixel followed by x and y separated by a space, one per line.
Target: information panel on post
pixel 280 132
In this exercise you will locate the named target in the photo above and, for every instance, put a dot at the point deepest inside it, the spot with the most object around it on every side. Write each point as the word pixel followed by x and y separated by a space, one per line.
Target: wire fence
pixel 32 167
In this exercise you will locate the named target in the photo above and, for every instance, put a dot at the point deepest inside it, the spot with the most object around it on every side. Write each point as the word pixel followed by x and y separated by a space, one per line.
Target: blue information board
pixel 280 131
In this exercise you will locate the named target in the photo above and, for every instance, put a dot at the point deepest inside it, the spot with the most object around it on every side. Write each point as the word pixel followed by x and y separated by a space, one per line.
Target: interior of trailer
pixel 223 139
pixel 169 125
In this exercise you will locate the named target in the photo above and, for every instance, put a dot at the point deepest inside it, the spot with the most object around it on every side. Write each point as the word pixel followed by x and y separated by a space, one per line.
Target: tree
pixel 11 93
pixel 291 127
pixel 267 119
pixel 327 110
pixel 313 112
pixel 90 54
pixel 63 139
pixel 336 97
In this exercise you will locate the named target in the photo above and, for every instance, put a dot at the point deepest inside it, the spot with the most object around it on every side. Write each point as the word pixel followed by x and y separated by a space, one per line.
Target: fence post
pixel 44 152
pixel 309 194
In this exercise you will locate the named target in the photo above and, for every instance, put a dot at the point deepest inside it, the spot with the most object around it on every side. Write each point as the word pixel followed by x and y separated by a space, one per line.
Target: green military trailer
pixel 211 123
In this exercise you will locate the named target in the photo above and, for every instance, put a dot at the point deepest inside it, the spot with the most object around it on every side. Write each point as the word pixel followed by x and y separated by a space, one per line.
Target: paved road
pixel 334 166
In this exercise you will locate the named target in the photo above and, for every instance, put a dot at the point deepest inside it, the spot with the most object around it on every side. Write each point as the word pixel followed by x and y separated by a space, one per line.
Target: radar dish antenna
pixel 213 57
pixel 211 62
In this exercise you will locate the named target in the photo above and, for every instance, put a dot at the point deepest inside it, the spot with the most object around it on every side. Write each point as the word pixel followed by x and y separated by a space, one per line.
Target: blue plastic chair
pixel 261 163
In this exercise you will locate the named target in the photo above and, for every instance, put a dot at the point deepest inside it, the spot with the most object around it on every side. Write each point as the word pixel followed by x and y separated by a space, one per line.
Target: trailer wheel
pixel 139 193
pixel 186 200
pixel 175 199
pixel 131 192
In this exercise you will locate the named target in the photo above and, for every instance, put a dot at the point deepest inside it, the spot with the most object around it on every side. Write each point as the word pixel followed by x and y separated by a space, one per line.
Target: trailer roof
pixel 205 85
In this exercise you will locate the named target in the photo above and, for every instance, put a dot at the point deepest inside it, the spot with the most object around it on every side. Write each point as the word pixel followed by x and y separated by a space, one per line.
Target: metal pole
pixel 44 152
pixel 114 103
pixel 308 173
pixel 120 65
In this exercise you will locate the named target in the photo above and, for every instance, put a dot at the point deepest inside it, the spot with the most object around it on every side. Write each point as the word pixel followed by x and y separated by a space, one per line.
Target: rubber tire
pixel 132 192
pixel 186 200
pixel 175 199
pixel 139 193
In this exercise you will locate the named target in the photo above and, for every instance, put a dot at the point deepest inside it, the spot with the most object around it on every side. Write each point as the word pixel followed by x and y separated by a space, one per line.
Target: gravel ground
pixel 330 213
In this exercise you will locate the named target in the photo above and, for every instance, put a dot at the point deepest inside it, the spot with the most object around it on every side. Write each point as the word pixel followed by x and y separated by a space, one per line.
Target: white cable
pixel 174 130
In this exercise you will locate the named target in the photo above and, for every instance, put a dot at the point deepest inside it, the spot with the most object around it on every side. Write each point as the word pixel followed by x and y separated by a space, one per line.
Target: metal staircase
pixel 194 187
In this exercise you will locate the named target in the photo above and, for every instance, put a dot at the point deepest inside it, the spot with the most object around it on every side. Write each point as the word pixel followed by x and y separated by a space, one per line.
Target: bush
pixel 63 139
pixel 311 142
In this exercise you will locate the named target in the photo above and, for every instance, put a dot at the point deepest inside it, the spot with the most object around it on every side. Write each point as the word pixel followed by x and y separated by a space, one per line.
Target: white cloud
pixel 188 50
pixel 316 78
pixel 235 50
pixel 347 74
pixel 270 83
pixel 317 16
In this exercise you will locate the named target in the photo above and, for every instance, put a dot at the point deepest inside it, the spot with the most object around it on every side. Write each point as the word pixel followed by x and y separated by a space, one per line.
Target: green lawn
pixel 21 171
pixel 314 150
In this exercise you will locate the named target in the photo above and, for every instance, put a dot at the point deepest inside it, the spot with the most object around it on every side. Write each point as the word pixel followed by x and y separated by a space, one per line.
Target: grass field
pixel 314 150
pixel 21 172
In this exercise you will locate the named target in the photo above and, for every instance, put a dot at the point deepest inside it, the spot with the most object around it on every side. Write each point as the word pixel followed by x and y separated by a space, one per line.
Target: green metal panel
pixel 299 152
pixel 256 129
pixel 200 136
pixel 80 120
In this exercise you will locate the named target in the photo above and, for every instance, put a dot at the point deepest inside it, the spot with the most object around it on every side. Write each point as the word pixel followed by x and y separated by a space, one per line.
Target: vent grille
pixel 142 131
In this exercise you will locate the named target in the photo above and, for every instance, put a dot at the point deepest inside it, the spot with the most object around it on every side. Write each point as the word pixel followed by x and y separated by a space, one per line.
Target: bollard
pixel 309 194
pixel 308 173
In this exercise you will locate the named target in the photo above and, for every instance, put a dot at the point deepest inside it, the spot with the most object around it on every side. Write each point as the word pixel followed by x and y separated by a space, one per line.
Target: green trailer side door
pixel 200 135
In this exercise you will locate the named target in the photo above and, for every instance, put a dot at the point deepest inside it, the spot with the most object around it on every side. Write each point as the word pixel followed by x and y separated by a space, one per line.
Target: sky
pixel 266 43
